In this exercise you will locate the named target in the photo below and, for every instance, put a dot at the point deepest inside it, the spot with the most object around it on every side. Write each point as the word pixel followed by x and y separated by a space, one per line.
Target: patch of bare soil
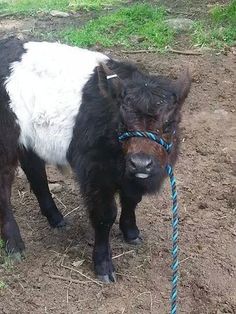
pixel 206 183
pixel 31 28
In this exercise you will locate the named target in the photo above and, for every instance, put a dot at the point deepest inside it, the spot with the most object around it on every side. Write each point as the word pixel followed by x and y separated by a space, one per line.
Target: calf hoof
pixel 104 268
pixel 132 235
pixel 57 221
pixel 107 278
pixel 136 241
pixel 63 226
pixel 62 223
pixel 13 242
pixel 17 257
pixel 14 247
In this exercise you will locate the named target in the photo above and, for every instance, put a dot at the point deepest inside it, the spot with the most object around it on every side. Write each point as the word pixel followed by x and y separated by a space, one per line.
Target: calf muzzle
pixel 140 165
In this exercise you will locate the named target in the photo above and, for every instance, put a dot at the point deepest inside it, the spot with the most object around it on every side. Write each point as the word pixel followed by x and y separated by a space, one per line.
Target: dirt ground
pixel 205 174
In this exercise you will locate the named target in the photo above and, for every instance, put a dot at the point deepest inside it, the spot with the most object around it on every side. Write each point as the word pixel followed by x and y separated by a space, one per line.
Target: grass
pixel 219 30
pixel 34 6
pixel 5 261
pixel 1 244
pixel 2 285
pixel 139 26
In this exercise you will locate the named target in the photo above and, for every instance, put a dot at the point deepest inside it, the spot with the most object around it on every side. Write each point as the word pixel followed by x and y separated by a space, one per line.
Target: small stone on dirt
pixel 55 187
pixel 180 24
pixel 77 263
pixel 233 50
pixel 220 113
pixel 202 205
pixel 20 173
pixel 56 13
pixel 136 39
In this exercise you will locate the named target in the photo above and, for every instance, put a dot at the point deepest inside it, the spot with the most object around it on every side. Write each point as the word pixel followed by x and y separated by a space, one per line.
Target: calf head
pixel 146 103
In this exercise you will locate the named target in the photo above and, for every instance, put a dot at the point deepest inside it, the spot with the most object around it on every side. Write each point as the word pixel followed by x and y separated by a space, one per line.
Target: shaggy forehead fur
pixel 148 97
pixel 144 94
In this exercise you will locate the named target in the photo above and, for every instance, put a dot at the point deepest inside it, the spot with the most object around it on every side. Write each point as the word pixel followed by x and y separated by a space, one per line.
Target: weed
pixel 5 260
pixel 2 285
pixel 1 244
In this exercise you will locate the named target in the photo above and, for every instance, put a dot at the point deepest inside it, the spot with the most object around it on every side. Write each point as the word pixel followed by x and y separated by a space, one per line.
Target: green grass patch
pixel 2 285
pixel 1 244
pixel 225 14
pixel 139 26
pixel 219 30
pixel 94 4
pixel 5 260
pixel 3 257
pixel 34 6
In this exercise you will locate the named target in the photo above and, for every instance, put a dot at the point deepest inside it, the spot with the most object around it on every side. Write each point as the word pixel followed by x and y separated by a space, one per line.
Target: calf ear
pixel 110 85
pixel 182 86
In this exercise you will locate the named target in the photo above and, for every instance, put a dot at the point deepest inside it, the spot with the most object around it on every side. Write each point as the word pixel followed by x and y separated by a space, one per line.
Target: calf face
pixel 148 103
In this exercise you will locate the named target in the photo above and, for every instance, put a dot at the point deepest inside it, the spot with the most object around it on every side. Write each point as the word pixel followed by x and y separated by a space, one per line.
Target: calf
pixel 67 106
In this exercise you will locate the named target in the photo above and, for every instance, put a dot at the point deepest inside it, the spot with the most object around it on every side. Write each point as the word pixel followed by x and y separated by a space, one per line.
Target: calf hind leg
pixel 9 229
pixel 34 168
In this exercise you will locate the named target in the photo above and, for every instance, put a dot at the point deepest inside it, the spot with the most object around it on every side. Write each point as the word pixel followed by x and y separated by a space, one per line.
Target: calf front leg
pixel 103 214
pixel 9 229
pixel 127 218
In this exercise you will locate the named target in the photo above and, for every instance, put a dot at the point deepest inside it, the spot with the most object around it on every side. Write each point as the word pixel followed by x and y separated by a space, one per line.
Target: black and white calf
pixel 64 105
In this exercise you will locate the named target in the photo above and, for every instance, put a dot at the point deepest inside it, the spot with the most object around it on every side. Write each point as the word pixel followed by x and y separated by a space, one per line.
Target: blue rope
pixel 175 214
pixel 150 135
pixel 175 248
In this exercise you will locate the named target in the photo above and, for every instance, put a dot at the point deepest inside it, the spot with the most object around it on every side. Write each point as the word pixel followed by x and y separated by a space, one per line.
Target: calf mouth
pixel 147 183
pixel 141 175
pixel 147 176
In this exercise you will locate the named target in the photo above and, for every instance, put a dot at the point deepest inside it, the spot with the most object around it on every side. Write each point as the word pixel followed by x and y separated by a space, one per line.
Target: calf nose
pixel 140 165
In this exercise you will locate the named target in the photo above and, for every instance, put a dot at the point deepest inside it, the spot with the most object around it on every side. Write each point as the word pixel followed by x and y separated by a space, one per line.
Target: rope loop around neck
pixel 152 136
